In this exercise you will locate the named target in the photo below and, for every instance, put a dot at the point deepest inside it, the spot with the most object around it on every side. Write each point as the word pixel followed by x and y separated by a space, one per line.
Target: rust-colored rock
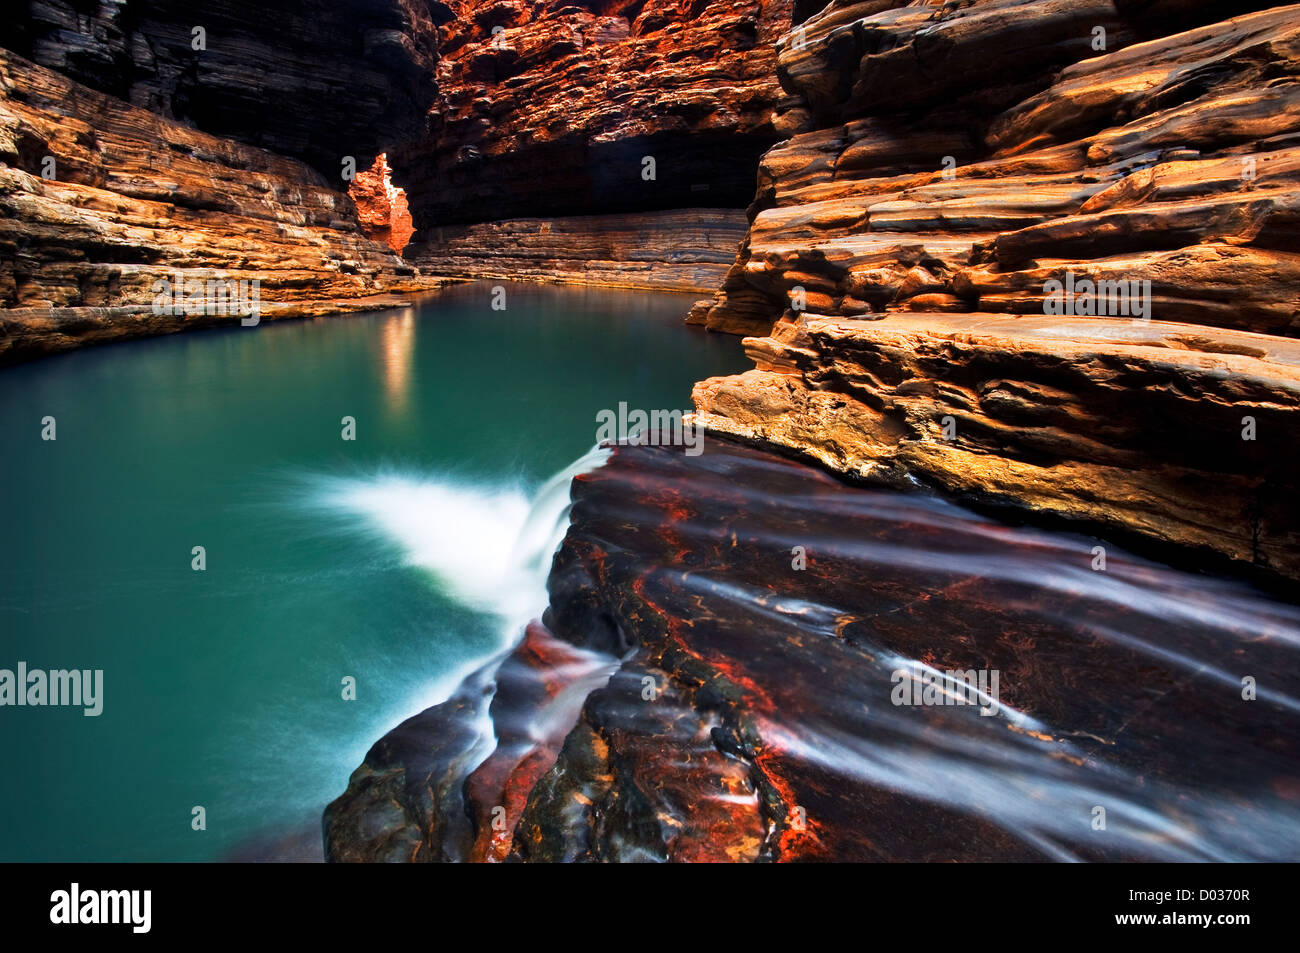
pixel 754 713
pixel 950 167
pixel 132 199
pixel 552 109
pixel 1132 162
pixel 382 209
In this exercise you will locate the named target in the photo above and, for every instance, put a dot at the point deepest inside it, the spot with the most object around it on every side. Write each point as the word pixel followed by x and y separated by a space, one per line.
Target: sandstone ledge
pixel 132 198
pixel 1134 427
pixel 29 333
pixel 673 250
pixel 944 166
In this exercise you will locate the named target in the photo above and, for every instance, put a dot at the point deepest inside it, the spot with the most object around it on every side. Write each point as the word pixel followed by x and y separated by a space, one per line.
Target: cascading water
pixel 489 549
pixel 840 639
pixel 223 687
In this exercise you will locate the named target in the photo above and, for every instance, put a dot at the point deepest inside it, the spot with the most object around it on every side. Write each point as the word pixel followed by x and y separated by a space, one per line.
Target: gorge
pixel 938 453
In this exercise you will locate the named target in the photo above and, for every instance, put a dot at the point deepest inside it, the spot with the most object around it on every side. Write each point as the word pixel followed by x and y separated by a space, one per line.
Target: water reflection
pixel 397 351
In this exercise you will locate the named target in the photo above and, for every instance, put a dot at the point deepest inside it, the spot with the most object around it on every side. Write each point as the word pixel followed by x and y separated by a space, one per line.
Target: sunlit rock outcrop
pixel 382 208
pixel 1037 252
pixel 100 201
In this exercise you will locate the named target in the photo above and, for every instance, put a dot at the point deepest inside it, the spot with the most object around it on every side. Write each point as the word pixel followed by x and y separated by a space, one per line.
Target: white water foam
pixel 487 546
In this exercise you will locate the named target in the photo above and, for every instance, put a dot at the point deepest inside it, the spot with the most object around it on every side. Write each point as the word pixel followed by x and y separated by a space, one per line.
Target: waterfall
pixel 486 546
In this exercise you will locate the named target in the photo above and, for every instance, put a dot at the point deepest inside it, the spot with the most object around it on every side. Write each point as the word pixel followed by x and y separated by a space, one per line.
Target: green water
pixel 379 558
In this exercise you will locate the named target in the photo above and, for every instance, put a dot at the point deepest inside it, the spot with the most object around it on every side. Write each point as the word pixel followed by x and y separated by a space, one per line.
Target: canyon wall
pixel 101 200
pixel 569 141
pixel 610 143
pixel 152 142
pixel 956 173
pixel 318 80
pixel 676 250
pixel 550 109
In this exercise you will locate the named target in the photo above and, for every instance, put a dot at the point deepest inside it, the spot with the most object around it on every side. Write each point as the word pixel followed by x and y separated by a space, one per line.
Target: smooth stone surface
pixel 751 712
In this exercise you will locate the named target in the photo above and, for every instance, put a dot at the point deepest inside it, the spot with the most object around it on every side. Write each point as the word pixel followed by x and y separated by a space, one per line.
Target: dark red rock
pixel 771 732
pixel 553 114
pixel 435 788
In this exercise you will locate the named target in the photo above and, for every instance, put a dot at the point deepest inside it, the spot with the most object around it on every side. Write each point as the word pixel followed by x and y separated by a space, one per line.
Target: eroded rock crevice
pixel 382 207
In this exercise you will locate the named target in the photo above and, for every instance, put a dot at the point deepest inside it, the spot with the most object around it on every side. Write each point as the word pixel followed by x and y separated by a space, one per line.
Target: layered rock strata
pixel 1160 430
pixel 778 684
pixel 1038 252
pixel 678 250
pixel 101 200
pixel 549 109
pixel 318 80
pixel 489 111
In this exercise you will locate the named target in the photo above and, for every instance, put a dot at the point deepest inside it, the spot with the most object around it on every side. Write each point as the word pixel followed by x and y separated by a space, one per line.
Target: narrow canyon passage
pixel 650 430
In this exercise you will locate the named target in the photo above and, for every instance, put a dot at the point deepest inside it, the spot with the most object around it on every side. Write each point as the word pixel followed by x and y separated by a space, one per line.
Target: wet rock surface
pixel 1151 429
pixel 765 625
pixel 438 788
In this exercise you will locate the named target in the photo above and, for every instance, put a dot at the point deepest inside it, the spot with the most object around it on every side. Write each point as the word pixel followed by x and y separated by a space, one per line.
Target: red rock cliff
pixel 548 108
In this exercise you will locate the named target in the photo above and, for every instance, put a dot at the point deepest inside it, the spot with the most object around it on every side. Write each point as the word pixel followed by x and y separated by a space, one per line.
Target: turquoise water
pixel 391 559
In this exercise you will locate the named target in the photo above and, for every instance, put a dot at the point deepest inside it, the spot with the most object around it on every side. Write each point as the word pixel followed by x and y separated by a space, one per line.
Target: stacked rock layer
pixel 102 201
pixel 550 109
pixel 1037 252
